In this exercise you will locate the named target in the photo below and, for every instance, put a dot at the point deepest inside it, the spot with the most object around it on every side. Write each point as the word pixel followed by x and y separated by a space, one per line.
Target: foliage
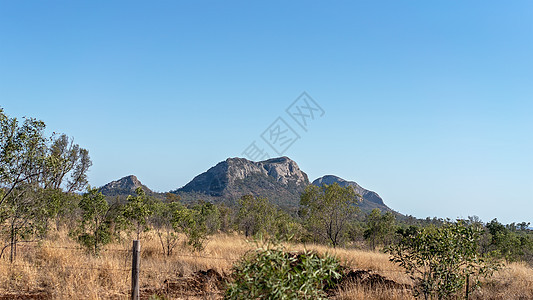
pixel 33 171
pixel 380 227
pixel 255 215
pixel 94 230
pixel 192 224
pixel 511 242
pixel 442 259
pixel 209 215
pixel 327 211
pixel 162 219
pixel 137 210
pixel 277 274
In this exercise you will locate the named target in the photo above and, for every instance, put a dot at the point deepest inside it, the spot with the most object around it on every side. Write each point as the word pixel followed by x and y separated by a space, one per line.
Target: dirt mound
pixel 200 283
pixel 372 280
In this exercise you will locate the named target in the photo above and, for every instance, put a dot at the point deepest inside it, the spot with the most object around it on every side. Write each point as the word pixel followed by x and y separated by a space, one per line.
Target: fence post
pixel 135 265
pixel 467 285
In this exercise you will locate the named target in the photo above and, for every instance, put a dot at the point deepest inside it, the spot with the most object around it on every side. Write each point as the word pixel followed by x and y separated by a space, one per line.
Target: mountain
pixel 279 179
pixel 123 187
pixel 371 199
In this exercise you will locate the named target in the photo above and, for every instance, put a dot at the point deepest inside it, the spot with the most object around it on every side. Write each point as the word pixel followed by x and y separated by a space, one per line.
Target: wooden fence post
pixel 135 265
pixel 467 286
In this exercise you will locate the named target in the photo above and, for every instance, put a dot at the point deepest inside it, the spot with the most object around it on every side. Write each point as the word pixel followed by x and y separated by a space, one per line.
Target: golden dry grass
pixel 56 269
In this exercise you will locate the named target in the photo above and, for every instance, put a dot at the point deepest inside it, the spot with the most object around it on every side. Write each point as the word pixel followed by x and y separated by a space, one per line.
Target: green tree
pixel 66 165
pixel 192 224
pixel 380 227
pixel 210 216
pixel 327 210
pixel 30 180
pixel 256 215
pixel 441 260
pixel 162 220
pixel 509 241
pixel 137 211
pixel 93 231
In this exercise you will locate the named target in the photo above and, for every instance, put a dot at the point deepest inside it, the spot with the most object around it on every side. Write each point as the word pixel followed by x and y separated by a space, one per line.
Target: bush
pixel 442 260
pixel 277 274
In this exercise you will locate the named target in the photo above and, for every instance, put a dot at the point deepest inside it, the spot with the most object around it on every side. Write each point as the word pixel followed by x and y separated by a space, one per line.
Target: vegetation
pixel 137 211
pixel 380 228
pixel 327 211
pixel 33 170
pixel 94 230
pixel 277 274
pixel 441 260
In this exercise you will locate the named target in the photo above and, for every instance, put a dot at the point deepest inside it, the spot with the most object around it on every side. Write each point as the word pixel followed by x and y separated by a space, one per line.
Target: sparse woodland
pixel 61 238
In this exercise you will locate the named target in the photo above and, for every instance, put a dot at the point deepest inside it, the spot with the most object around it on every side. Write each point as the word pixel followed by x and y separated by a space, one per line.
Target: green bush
pixel 277 274
pixel 443 261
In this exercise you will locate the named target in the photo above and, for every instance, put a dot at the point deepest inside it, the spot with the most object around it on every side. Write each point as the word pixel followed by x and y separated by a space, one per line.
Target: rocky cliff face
pixel 123 187
pixel 279 179
pixel 371 199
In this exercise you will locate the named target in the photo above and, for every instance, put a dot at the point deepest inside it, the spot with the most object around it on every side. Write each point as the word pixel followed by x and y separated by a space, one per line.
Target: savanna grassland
pixel 56 268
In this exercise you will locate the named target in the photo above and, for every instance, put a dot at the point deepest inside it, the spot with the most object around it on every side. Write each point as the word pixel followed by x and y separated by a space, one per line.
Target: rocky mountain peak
pixel 124 186
pixel 236 176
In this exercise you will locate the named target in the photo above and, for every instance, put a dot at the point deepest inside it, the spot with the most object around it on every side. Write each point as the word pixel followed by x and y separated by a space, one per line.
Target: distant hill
pixel 371 199
pixel 279 179
pixel 123 187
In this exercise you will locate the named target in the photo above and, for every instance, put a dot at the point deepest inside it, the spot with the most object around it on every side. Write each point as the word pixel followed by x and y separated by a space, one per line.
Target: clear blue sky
pixel 428 103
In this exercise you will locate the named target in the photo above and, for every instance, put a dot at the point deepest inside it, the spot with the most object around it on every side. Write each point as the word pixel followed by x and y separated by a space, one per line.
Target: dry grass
pixel 56 270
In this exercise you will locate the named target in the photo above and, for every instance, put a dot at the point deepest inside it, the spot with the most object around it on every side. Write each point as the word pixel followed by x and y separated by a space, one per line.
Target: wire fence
pixel 166 274
pixel 127 255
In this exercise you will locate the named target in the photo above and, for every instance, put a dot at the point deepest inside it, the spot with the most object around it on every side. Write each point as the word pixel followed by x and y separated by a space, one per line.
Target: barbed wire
pixel 143 270
pixel 63 267
pixel 69 248
pixel 129 251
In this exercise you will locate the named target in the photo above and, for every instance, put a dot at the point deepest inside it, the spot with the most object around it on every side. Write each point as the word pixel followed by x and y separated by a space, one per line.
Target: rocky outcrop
pixel 371 199
pixel 279 179
pixel 123 187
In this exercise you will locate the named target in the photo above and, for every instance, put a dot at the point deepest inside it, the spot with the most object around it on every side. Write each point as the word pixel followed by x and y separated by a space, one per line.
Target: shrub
pixel 277 274
pixel 442 260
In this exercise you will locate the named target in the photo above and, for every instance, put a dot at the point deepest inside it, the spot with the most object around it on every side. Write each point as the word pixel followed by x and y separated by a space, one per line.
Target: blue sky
pixel 430 104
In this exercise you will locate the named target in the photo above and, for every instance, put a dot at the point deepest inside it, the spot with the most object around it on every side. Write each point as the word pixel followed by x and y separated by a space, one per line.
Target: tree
pixel 210 216
pixel 66 161
pixel 379 227
pixel 328 209
pixel 162 220
pixel 192 224
pixel 93 231
pixel 256 215
pixel 441 260
pixel 29 165
pixel 508 241
pixel 137 210
pixel 22 154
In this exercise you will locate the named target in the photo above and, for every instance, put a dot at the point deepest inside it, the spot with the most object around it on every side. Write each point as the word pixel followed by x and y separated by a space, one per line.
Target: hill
pixel 371 199
pixel 123 187
pixel 279 179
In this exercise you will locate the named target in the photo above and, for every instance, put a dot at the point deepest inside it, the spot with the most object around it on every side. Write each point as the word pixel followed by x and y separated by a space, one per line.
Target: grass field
pixel 57 269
